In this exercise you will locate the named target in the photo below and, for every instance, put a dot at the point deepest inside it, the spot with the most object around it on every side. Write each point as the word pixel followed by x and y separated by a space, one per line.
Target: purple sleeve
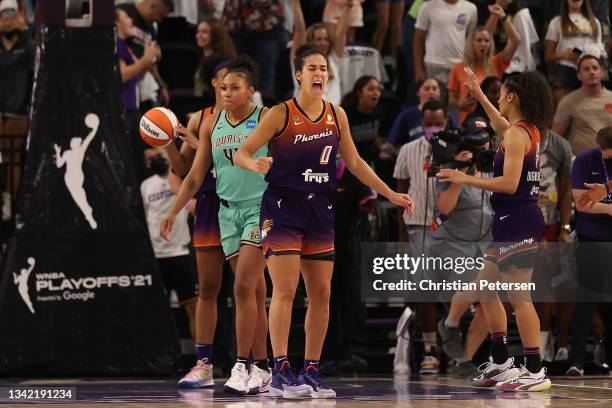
pixel 122 51
pixel 395 133
pixel 581 169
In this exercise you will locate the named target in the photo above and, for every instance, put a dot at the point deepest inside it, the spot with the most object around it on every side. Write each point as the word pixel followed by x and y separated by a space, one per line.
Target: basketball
pixel 157 127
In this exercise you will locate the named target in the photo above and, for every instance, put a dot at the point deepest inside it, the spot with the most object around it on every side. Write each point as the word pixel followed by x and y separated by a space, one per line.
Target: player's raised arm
pixel 499 123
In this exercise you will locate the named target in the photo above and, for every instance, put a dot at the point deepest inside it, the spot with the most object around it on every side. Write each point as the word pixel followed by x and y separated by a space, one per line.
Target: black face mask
pixel 159 165
pixel 10 34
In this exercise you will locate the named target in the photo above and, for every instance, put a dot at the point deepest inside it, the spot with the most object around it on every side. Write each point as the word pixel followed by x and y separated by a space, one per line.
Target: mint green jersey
pixel 235 184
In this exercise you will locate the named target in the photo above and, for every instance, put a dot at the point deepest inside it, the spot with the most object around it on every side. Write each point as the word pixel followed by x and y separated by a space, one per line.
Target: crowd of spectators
pixel 397 67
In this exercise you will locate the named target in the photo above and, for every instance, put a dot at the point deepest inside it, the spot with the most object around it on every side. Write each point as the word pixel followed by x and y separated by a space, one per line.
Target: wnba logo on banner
pixel 57 287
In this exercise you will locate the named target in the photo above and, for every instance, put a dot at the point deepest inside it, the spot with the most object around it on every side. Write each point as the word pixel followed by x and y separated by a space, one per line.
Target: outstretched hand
pixel 472 83
pixel 403 200
pixel 497 10
pixel 452 176
pixel 186 136
pixel 594 194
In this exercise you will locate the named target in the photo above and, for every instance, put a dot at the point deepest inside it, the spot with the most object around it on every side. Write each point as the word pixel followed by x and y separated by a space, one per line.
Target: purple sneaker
pixel 312 378
pixel 284 384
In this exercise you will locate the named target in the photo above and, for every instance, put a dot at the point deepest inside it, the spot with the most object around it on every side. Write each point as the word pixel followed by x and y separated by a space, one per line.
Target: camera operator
pixel 411 175
pixel 462 229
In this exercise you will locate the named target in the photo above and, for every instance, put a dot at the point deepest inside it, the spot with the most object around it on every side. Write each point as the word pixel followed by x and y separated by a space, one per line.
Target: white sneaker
pixel 492 373
pixel 200 376
pixel 238 382
pixel 562 354
pixel 259 381
pixel 527 381
pixel 429 365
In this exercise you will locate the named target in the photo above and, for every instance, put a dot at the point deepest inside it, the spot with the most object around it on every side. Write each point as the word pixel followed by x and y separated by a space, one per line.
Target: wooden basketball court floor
pixel 352 393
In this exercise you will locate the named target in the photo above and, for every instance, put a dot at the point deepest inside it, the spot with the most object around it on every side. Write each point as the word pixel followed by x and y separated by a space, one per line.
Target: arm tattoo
pixel 191 185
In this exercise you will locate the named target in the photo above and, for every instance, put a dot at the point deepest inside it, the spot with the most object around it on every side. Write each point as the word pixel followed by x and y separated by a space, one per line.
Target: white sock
pixel 430 341
pixel 449 323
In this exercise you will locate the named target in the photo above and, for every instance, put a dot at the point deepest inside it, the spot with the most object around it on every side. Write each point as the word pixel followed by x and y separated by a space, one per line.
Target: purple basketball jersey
pixel 304 152
pixel 529 183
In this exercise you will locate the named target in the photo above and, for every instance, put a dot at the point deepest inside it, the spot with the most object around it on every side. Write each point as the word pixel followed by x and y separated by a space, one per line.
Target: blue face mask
pixel 430 131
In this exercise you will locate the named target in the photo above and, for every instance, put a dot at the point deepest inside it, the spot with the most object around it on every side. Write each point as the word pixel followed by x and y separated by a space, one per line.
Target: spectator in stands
pixel 131 67
pixel 16 60
pixel 415 228
pixel 574 32
pixel 583 112
pixel 524 58
pixel 439 38
pixel 152 90
pixel 365 116
pixel 480 56
pixel 256 28
pixel 16 64
pixel 332 44
pixel 145 15
pixel 390 14
pixel 594 229
pixel 333 12
pixel 555 202
pixel 346 338
pixel 173 258
pixel 211 38
pixel 407 125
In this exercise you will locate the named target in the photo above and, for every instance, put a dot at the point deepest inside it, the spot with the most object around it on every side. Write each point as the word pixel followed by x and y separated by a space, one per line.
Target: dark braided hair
pixel 246 68
pixel 534 96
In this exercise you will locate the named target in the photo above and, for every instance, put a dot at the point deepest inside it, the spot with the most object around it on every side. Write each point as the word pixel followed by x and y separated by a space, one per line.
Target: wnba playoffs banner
pixel 80 292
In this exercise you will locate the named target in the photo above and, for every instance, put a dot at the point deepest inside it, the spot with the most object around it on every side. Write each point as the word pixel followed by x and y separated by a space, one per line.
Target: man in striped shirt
pixel 411 175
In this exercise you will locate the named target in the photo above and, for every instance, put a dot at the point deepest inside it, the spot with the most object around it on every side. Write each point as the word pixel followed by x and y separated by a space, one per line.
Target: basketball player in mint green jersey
pixel 240 192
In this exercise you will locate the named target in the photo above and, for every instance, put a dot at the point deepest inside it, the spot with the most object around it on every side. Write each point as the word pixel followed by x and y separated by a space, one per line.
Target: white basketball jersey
pixel 157 198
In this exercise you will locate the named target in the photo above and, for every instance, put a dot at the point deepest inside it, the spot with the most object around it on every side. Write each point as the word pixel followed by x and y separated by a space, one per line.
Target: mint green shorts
pixel 239 225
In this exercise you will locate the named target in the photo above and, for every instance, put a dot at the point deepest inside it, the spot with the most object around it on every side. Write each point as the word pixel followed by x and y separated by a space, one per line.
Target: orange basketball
pixel 157 127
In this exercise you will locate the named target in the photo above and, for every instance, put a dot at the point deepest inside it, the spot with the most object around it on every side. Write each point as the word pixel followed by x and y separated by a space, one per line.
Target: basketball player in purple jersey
pixel 525 106
pixel 297 220
pixel 206 235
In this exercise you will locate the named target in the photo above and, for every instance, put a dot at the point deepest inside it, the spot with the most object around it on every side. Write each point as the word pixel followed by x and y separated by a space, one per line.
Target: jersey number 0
pixel 325 154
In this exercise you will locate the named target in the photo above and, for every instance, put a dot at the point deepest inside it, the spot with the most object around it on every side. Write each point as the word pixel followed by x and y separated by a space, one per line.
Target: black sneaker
pixel 451 340
pixel 464 369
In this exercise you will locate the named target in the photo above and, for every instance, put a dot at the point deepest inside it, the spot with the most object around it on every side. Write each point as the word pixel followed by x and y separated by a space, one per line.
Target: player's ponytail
pixel 534 96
